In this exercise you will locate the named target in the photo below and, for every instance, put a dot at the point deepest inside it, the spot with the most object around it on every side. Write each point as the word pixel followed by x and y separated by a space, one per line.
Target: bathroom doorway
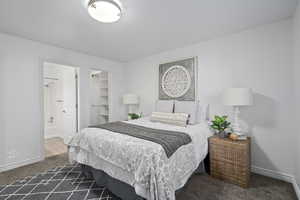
pixel 60 107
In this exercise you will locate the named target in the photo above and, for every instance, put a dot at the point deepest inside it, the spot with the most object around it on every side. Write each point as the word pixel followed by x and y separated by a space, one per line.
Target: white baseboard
pixel 273 174
pixel 278 175
pixel 14 165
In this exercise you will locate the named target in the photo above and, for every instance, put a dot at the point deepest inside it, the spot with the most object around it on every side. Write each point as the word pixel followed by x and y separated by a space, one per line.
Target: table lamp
pixel 130 100
pixel 237 97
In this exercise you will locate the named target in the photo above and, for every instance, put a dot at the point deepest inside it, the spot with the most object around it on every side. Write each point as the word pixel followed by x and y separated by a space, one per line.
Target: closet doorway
pixel 60 107
pixel 99 97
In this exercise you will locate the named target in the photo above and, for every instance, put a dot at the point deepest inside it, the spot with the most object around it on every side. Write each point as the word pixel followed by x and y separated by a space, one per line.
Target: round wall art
pixel 176 81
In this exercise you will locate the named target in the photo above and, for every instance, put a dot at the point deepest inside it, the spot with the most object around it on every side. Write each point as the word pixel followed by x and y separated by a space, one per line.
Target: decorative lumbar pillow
pixel 189 107
pixel 178 119
pixel 164 106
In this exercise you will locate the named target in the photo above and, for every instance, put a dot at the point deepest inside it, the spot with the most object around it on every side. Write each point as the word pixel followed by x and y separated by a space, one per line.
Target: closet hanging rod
pixel 56 79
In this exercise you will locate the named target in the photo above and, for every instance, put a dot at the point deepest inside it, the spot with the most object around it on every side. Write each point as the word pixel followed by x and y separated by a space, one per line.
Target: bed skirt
pixel 124 190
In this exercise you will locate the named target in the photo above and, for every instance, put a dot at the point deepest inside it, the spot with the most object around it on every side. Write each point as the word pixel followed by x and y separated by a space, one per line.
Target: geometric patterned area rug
pixel 60 183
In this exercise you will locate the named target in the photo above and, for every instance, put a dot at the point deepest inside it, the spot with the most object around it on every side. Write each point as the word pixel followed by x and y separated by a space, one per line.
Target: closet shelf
pixel 105 115
pixel 99 105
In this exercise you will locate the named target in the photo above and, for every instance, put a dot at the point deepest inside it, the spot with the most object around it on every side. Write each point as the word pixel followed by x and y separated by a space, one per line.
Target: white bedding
pixel 140 163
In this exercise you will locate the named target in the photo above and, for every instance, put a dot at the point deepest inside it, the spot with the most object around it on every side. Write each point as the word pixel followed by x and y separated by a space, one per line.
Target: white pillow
pixel 164 106
pixel 203 112
pixel 189 107
pixel 178 119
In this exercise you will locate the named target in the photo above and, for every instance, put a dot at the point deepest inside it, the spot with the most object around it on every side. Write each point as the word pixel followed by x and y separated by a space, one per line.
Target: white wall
pixel 261 59
pixel 21 84
pixel 297 86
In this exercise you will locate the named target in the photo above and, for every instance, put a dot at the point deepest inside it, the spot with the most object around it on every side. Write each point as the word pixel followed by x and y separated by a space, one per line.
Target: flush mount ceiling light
pixel 106 11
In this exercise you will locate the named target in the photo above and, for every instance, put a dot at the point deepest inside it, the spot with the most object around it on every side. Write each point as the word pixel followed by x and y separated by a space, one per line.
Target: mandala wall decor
pixel 177 80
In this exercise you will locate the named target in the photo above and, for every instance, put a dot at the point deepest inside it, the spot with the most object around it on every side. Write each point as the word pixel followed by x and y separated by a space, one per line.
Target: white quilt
pixel 141 163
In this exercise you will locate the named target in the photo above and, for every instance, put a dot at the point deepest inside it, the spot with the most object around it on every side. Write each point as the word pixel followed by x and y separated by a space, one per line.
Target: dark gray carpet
pixel 199 187
pixel 60 183
pixel 30 170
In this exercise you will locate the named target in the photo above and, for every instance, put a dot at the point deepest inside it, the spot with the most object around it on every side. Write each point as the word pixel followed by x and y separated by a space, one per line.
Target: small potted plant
pixel 132 116
pixel 219 125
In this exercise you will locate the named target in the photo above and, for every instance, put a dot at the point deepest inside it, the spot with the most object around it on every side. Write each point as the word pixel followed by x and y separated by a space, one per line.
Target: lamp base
pixel 235 125
pixel 239 127
pixel 130 108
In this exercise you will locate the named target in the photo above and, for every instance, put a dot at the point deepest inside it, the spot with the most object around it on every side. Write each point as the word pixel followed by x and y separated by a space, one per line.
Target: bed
pixel 134 168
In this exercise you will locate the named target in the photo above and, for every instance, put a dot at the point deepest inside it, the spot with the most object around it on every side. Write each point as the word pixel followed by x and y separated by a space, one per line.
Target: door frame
pixel 77 86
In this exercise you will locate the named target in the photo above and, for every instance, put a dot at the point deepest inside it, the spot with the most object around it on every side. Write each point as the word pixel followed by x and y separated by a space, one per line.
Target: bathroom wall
pixel 53 101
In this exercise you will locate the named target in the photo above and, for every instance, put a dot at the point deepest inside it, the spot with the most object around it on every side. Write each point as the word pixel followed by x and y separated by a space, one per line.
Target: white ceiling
pixel 147 27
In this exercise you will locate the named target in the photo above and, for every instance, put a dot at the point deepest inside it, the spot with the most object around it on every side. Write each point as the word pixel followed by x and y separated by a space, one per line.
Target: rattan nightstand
pixel 230 160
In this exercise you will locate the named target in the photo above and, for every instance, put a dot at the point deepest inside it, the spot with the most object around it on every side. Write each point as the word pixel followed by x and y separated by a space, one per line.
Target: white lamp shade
pixel 238 97
pixel 130 99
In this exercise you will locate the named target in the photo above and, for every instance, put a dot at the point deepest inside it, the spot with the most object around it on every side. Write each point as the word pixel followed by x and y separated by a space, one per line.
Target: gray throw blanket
pixel 169 140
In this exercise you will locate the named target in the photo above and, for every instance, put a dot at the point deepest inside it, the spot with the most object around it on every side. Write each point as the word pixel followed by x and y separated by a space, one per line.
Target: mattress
pixel 139 163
